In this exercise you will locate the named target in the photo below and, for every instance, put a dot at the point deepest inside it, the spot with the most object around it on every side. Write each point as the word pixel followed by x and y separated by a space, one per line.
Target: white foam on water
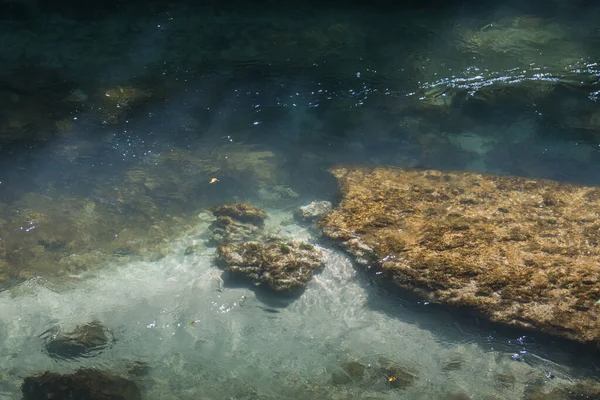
pixel 238 346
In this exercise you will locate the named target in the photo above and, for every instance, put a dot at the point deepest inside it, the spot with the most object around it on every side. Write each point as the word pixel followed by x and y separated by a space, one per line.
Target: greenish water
pixel 118 130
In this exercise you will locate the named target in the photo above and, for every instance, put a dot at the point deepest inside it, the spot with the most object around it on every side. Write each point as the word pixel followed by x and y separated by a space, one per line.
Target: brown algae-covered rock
pixel 226 229
pixel 280 265
pixel 236 222
pixel 241 212
pixel 524 252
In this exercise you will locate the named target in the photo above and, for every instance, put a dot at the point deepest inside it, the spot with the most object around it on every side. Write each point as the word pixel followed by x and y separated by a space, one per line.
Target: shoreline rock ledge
pixel 523 252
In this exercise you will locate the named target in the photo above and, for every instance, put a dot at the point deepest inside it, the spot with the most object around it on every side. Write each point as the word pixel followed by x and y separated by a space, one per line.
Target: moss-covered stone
pixel 283 266
pixel 521 251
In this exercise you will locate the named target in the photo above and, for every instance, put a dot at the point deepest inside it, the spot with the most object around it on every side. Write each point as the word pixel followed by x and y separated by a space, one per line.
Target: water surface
pixel 114 124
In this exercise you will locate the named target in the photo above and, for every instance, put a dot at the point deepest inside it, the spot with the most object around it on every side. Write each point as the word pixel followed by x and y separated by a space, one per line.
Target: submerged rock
pixel 586 389
pixel 313 211
pixel 235 223
pixel 250 163
pixel 226 229
pixel 523 252
pixel 241 212
pixel 138 368
pixel 88 384
pixel 351 371
pixel 277 196
pixel 281 265
pixel 383 372
pixel 116 103
pixel 84 341
pixel 67 238
pixel 398 376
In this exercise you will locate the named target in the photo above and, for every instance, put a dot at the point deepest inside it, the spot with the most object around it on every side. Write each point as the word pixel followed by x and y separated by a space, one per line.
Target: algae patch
pixel 521 251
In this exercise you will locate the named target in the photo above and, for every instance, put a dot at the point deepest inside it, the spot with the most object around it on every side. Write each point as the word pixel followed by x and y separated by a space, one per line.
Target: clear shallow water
pixel 106 186
pixel 236 348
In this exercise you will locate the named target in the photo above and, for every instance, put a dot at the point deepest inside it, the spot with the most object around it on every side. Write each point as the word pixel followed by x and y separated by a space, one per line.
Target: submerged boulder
pixel 585 389
pixel 313 211
pixel 524 252
pixel 241 212
pixel 226 229
pixel 235 223
pixel 284 266
pixel 381 373
pixel 88 384
pixel 84 341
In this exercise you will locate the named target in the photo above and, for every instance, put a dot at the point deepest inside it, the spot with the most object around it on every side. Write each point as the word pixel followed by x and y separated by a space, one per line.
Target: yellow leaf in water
pixel 213 180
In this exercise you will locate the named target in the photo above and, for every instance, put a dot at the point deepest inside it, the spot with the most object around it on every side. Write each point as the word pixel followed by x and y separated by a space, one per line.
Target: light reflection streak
pixel 587 74
pixel 472 80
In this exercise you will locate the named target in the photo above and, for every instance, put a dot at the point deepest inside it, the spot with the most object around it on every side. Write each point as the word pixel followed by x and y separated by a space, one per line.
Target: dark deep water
pixel 121 124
